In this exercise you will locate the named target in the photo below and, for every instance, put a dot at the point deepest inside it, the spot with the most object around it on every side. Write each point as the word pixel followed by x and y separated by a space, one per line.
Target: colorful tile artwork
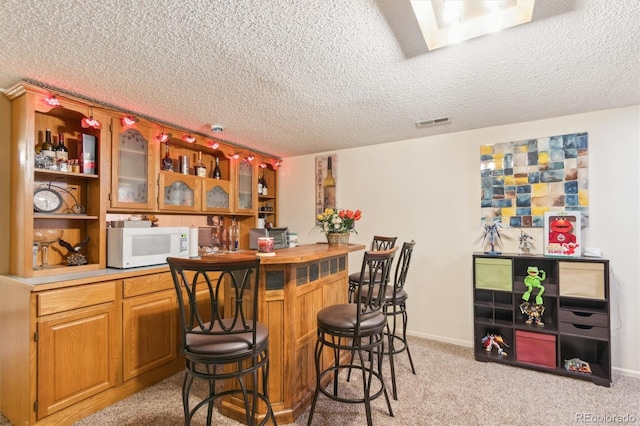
pixel 520 181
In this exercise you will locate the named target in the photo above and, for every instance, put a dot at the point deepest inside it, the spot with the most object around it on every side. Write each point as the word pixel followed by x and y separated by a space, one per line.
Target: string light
pixel 263 165
pixel 128 120
pixel 235 156
pixel 90 122
pixel 250 157
pixel 52 101
pixel 188 138
pixel 163 137
pixel 214 145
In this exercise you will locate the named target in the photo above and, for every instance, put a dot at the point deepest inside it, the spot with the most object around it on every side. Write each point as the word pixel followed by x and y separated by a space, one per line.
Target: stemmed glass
pixel 44 237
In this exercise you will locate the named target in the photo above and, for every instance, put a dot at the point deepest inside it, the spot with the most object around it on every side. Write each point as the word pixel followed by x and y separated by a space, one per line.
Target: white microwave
pixel 135 247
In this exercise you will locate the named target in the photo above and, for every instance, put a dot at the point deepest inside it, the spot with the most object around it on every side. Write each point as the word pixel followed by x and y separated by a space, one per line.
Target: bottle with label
pixel 329 187
pixel 47 146
pixel 200 169
pixel 62 152
pixel 260 187
pixel 216 174
pixel 167 162
pixel 265 188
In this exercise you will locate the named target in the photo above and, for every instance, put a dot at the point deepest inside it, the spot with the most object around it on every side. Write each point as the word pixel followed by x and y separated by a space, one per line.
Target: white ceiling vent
pixel 433 122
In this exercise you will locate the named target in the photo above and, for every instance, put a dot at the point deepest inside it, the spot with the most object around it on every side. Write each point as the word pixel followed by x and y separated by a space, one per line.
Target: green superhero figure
pixel 533 280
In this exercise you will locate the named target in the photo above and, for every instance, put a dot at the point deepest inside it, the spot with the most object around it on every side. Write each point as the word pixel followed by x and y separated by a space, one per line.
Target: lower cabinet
pixel 90 344
pixel 543 313
pixel 75 357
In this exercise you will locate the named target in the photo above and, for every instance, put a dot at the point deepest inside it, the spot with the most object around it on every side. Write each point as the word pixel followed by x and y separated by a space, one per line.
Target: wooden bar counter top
pixel 295 284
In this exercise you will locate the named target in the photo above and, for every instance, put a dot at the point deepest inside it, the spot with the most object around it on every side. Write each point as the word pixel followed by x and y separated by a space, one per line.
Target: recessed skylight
pixel 445 22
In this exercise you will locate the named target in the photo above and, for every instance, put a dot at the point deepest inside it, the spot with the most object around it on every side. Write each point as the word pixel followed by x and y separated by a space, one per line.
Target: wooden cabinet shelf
pixel 575 321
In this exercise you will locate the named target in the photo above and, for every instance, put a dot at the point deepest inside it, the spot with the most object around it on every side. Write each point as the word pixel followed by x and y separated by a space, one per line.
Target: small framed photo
pixel 562 234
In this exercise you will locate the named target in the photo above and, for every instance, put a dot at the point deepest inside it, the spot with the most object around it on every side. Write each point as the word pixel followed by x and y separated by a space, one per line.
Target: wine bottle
pixel 216 174
pixel 329 186
pixel 167 162
pixel 47 146
pixel 265 188
pixel 260 185
pixel 200 169
pixel 62 152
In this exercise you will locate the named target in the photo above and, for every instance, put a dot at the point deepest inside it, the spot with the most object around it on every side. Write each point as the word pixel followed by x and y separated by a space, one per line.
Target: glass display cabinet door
pixel 216 196
pixel 246 194
pixel 133 168
pixel 179 192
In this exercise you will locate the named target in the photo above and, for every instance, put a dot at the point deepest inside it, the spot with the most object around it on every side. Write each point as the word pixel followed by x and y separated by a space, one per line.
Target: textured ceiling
pixel 292 77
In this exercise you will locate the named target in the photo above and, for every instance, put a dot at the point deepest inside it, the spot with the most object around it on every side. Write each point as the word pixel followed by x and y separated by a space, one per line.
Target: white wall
pixel 428 189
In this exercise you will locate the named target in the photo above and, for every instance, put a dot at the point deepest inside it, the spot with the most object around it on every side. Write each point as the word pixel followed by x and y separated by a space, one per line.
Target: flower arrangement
pixel 338 221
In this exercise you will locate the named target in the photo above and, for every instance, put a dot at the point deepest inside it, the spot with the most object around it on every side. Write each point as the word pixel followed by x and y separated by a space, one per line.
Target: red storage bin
pixel 536 348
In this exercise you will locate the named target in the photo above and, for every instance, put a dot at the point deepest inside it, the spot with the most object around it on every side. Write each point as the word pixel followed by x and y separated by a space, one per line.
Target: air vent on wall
pixel 427 123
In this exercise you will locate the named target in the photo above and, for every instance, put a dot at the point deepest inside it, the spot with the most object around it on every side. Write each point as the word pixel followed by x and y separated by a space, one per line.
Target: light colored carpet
pixel 451 388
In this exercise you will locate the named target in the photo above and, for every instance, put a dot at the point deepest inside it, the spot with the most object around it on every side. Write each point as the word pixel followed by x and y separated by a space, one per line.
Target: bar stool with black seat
pixel 222 345
pixel 395 306
pixel 356 328
pixel 378 243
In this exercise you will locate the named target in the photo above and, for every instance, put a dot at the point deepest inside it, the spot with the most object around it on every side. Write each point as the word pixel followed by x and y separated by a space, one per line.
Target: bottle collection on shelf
pixel 55 157
pixel 199 169
pixel 263 188
pixel 225 239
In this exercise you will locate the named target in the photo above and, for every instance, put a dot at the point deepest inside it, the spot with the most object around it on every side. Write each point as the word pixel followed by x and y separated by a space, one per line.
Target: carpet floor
pixel 450 388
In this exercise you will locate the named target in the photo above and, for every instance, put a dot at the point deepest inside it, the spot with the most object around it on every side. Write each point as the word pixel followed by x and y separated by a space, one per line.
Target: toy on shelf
pixel 562 234
pixel 526 247
pixel 533 312
pixel 491 341
pixel 533 280
pixel 492 235
pixel 74 257
pixel 576 364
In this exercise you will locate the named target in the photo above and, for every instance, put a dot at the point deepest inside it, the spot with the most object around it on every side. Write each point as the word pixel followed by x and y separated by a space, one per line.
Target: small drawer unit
pixel 536 348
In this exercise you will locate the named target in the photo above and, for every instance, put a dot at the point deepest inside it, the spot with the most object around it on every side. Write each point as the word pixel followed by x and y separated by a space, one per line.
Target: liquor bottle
pixel 216 174
pixel 260 185
pixel 62 152
pixel 167 162
pixel 47 146
pixel 265 188
pixel 329 186
pixel 200 169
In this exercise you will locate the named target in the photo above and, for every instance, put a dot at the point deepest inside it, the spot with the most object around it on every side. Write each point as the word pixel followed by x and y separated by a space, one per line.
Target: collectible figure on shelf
pixel 491 341
pixel 562 234
pixel 576 364
pixel 533 280
pixel 526 247
pixel 74 257
pixel 492 235
pixel 533 312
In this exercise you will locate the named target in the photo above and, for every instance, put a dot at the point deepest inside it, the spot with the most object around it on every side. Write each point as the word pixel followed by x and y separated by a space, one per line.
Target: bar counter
pixel 295 284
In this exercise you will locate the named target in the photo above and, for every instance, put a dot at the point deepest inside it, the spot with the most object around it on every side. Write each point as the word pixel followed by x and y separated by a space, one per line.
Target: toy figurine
pixel 525 245
pixel 491 341
pixel 492 235
pixel 533 312
pixel 533 280
pixel 561 231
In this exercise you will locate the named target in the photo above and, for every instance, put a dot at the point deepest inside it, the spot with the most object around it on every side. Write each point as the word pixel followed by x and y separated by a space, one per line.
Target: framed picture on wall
pixel 325 183
pixel 562 234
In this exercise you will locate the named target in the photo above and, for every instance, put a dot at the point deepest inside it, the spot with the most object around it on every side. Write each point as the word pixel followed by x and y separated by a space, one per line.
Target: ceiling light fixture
pixel 90 122
pixel 445 22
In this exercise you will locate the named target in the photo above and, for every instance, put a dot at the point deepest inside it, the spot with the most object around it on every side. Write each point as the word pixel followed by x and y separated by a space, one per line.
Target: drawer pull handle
pixel 583 327
pixel 582 314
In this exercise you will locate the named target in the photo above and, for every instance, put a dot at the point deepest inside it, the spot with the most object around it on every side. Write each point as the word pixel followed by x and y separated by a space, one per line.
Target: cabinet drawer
pixel 494 274
pixel 574 316
pixel 147 284
pixel 582 279
pixel 584 330
pixel 51 302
